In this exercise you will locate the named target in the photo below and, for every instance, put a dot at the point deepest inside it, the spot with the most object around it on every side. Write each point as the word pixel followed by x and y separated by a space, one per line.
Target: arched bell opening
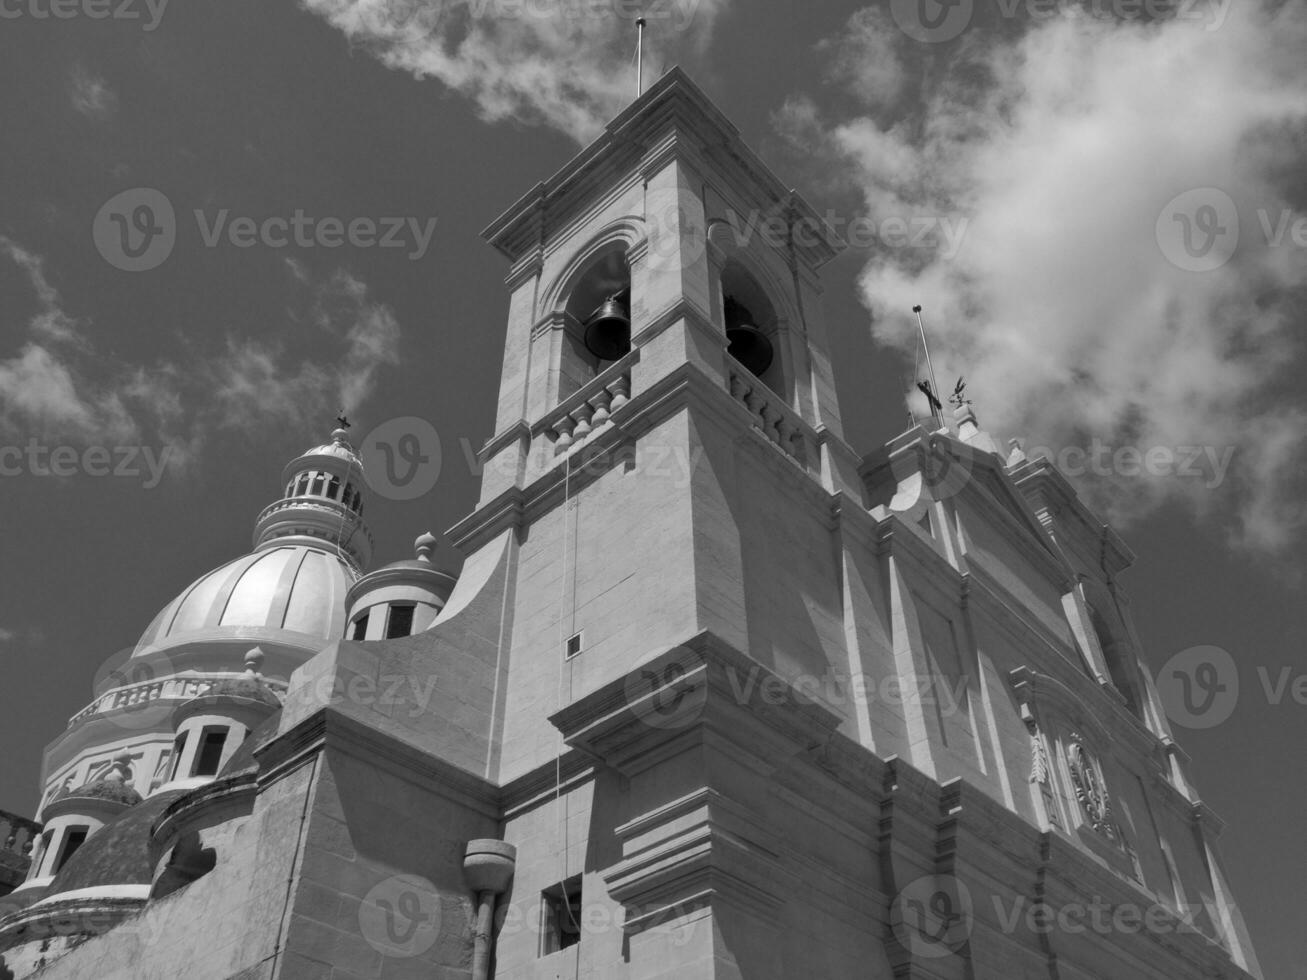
pixel 752 327
pixel 597 319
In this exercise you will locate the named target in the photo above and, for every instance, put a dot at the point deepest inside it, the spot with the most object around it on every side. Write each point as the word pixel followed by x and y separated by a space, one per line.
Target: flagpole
pixel 930 368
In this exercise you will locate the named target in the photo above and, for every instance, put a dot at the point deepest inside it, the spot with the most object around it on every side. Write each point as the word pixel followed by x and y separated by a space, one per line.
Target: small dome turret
pixel 400 599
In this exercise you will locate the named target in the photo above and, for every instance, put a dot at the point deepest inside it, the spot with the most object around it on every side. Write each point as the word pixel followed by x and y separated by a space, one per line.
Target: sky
pixel 1100 206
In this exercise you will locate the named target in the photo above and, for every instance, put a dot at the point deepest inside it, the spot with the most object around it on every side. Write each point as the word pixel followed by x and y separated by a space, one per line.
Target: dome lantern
pixel 322 503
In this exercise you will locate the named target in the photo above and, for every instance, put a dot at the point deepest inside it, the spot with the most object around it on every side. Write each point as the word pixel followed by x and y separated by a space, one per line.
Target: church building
pixel 713 696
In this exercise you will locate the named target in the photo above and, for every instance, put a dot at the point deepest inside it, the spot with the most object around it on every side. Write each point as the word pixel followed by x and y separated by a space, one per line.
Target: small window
pixel 319 482
pixel 75 838
pixel 333 488
pixel 210 752
pixel 560 907
pixel 302 485
pixel 360 627
pixel 178 747
pixel 400 622
pixel 573 646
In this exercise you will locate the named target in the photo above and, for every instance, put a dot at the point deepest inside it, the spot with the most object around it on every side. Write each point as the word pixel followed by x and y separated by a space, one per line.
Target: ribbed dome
pixel 292 588
pixel 338 447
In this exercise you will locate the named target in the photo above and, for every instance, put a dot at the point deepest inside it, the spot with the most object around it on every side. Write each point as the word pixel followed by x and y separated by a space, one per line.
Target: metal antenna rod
pixel 639 57
pixel 930 368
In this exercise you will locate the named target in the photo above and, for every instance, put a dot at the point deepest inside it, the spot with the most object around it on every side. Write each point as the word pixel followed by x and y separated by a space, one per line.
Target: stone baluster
pixel 582 415
pixel 621 391
pixel 564 427
pixel 601 402
pixel 770 420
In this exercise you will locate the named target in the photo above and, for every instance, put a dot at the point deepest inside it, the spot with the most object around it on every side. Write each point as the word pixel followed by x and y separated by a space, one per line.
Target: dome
pixel 118 853
pixel 338 447
pixel 292 593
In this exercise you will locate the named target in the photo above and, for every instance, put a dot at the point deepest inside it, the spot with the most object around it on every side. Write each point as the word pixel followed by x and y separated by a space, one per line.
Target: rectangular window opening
pixel 560 906
pixel 361 627
pixel 400 622
pixel 575 644
pixel 210 752
pixel 178 747
pixel 76 838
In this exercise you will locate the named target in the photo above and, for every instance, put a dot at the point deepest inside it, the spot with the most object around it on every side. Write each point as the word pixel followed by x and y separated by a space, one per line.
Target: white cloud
pixel 58 389
pixel 91 95
pixel 565 63
pixel 1061 149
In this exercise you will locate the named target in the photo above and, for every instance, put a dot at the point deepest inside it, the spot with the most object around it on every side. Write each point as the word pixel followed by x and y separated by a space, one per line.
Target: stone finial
pixel 338 436
pixel 424 546
pixel 1017 455
pixel 254 661
pixel 121 768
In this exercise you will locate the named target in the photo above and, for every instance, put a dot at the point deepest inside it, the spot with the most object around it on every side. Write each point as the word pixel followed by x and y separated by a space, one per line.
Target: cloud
pixel 91 95
pixel 253 382
pixel 567 64
pixel 1070 305
pixel 58 389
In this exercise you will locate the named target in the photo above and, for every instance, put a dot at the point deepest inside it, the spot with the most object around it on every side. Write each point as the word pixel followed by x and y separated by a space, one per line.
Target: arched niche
pixel 604 275
pixel 745 302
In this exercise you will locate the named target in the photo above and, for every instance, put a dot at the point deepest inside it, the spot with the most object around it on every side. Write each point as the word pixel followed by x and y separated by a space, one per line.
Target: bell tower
pixel 666 377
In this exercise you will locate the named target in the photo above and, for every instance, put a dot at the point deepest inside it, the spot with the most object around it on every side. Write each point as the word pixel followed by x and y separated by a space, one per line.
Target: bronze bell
pixel 608 330
pixel 746 343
